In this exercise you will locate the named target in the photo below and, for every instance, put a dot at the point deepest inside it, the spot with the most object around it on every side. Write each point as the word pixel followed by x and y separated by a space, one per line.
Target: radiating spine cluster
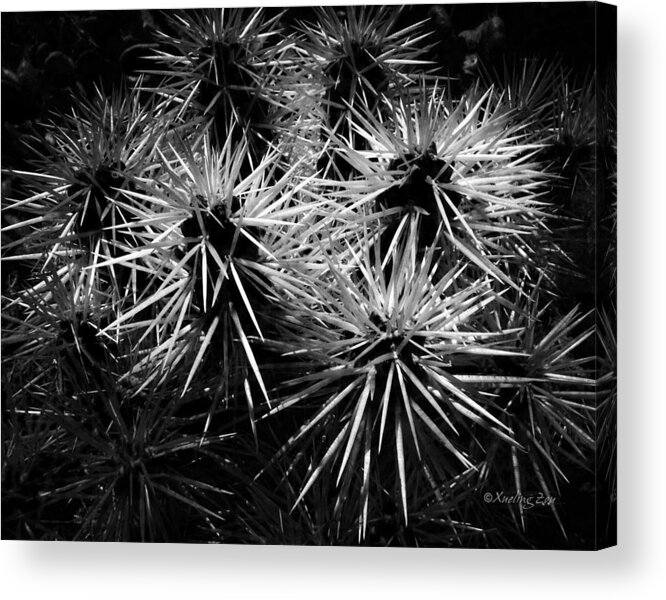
pixel 290 287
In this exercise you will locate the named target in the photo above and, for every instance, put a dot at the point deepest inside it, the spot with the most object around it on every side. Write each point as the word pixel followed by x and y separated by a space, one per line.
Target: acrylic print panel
pixel 310 276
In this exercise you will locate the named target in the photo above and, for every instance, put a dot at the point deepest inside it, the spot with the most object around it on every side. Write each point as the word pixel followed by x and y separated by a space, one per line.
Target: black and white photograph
pixel 311 275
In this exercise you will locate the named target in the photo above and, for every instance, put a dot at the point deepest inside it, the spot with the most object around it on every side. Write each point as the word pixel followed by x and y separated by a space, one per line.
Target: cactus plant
pixel 291 283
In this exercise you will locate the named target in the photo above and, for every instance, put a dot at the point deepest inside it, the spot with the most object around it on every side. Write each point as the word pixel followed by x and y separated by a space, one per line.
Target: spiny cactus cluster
pixel 295 284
